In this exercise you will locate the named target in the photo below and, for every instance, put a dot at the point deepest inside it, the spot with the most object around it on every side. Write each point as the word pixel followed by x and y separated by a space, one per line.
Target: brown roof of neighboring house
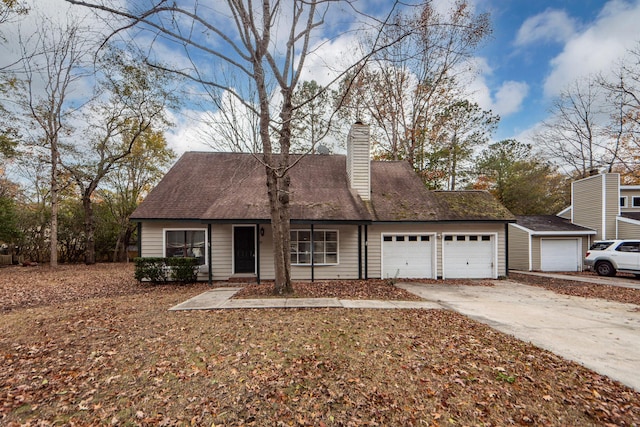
pixel 631 215
pixel 549 223
pixel 232 187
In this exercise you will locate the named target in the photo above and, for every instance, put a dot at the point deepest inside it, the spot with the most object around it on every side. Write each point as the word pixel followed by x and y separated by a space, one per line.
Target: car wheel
pixel 604 268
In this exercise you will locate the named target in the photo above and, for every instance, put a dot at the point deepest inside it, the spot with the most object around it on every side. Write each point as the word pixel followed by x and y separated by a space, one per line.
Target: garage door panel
pixel 407 256
pixel 560 254
pixel 468 256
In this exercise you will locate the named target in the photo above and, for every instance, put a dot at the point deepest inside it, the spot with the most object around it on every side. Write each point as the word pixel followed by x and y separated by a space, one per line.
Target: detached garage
pixel 547 243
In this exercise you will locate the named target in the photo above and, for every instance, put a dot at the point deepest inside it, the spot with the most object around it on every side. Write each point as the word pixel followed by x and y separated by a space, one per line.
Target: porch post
pixel 359 252
pixel 312 263
pixel 366 252
pixel 210 272
pixel 258 253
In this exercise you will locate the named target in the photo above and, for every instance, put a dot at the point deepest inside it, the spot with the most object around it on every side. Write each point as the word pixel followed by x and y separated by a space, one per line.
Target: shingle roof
pixel 631 215
pixel 549 223
pixel 232 187
pixel 475 205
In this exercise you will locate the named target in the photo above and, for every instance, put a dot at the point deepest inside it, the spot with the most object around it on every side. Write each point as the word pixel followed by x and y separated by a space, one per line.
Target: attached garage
pixel 470 256
pixel 408 256
pixel 560 254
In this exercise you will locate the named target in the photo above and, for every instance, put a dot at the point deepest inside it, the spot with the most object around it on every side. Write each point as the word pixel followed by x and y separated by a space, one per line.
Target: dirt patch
pixel 375 289
pixel 580 289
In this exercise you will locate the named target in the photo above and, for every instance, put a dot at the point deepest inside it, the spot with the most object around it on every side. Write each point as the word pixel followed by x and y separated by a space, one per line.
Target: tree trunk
pixel 89 230
pixel 53 258
pixel 278 189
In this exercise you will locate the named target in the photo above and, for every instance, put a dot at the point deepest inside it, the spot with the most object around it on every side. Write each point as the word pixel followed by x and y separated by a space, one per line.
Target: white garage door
pixel 560 254
pixel 468 256
pixel 407 256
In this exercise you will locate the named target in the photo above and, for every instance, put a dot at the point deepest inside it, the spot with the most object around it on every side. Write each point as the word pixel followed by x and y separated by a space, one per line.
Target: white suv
pixel 606 257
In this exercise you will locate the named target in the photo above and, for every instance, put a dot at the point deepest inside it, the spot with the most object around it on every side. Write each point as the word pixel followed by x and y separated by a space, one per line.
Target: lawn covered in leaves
pixel 122 358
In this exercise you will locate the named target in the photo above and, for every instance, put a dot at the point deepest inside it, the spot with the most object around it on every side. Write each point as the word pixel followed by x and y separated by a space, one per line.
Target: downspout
pixel 312 260
pixel 210 269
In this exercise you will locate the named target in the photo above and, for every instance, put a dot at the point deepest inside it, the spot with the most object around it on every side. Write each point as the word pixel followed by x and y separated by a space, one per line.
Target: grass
pixel 123 359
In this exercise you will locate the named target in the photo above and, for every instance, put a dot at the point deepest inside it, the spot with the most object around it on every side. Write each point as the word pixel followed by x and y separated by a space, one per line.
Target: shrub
pixel 151 269
pixel 162 270
pixel 183 270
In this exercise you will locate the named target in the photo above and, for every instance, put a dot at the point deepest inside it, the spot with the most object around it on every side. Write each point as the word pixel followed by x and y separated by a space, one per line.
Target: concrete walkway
pixel 220 298
pixel 603 336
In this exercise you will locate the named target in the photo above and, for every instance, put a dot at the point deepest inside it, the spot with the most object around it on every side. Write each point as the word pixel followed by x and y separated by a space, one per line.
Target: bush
pixel 151 269
pixel 162 270
pixel 183 270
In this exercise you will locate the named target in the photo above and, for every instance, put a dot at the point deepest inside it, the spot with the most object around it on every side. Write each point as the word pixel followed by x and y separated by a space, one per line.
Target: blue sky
pixel 536 49
pixel 544 45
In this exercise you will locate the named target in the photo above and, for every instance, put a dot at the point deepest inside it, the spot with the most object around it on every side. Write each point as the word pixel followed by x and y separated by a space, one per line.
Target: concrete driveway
pixel 601 335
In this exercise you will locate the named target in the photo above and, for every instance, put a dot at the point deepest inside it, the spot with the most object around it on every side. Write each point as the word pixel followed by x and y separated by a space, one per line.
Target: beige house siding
pixel 347 267
pixel 629 193
pixel 587 198
pixel 519 242
pixel 628 228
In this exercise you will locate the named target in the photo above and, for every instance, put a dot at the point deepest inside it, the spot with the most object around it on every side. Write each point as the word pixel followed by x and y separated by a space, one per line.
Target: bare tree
pixel 134 102
pixel 574 136
pixel 404 88
pixel 49 77
pixel 267 45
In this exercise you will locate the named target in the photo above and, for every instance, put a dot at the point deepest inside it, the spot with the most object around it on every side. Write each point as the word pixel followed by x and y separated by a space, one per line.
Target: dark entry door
pixel 244 249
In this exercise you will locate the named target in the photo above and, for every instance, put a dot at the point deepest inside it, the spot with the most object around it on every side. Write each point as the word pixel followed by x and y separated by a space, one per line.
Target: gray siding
pixel 587 204
pixel 518 248
pixel 611 203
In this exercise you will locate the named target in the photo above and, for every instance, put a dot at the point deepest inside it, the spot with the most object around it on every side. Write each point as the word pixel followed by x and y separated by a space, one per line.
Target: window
pixel 486 238
pixel 628 247
pixel 325 247
pixel 185 243
pixel 424 238
pixel 413 238
pixel 635 201
pixel 473 238
pixel 388 238
pixel 399 238
pixel 623 201
pixel 461 238
pixel 448 238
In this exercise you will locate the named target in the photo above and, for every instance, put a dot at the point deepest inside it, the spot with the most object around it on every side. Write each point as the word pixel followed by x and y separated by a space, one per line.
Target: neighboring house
pixel 350 218
pixel 547 243
pixel 600 208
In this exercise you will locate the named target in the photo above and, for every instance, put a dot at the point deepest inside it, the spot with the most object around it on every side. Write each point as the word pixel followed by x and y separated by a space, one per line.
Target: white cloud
pixel 504 100
pixel 598 47
pixel 549 26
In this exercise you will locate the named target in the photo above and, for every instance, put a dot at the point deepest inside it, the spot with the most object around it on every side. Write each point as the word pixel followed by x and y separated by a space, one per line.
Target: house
pixel 600 208
pixel 351 218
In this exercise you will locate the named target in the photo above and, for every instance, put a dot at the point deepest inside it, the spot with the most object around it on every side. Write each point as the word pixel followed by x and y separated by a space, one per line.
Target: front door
pixel 244 250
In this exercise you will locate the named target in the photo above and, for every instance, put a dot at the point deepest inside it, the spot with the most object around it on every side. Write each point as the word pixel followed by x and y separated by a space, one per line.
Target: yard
pixel 89 345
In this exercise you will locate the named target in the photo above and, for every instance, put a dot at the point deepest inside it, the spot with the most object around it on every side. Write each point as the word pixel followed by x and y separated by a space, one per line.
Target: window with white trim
pixel 623 201
pixel 325 247
pixel 635 202
pixel 186 243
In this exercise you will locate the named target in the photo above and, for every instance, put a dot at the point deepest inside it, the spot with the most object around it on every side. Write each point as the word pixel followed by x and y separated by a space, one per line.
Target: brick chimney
pixel 358 160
